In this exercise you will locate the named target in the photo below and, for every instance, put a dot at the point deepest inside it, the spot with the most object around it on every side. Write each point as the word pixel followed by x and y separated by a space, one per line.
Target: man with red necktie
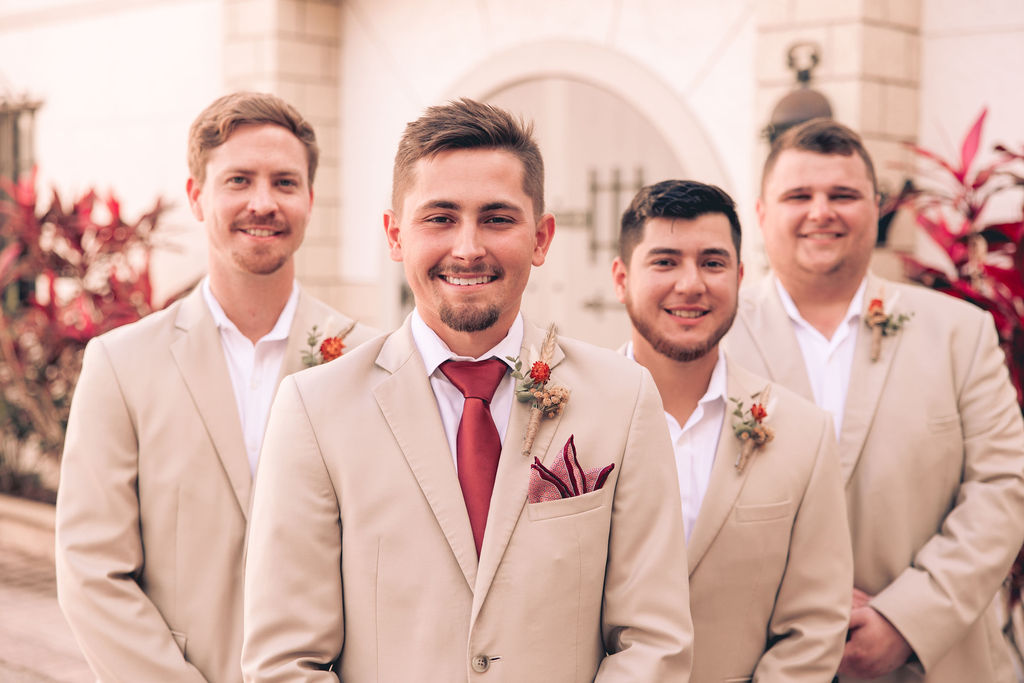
pixel 469 498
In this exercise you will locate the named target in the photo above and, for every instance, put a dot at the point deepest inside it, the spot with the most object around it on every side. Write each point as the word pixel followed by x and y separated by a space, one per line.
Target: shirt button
pixel 480 663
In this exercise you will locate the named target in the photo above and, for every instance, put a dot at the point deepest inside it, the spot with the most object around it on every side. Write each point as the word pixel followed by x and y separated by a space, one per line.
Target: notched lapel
pixel 771 332
pixel 867 380
pixel 200 359
pixel 726 482
pixel 405 399
pixel 511 484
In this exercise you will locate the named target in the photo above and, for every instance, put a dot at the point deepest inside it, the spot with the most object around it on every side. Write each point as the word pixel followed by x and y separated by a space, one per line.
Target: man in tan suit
pixel 931 441
pixel 770 564
pixel 169 413
pixel 373 550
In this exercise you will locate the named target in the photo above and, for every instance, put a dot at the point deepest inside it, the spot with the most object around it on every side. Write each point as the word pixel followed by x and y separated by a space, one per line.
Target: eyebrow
pixel 455 206
pixel 832 188
pixel 669 251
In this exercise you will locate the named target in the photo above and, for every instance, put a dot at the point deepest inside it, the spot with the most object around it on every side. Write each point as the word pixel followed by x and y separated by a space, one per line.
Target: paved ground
pixel 36 645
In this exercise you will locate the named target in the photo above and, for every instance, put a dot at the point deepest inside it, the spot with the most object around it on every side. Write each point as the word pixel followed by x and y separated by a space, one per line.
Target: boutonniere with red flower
pixel 882 324
pixel 748 426
pixel 532 387
pixel 327 350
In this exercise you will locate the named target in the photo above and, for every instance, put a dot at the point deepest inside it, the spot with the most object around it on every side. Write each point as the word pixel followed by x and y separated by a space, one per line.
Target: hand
pixel 860 598
pixel 873 647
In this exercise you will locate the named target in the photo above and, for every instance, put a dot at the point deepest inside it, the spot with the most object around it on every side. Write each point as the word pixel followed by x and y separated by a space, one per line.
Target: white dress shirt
pixel 828 361
pixel 696 442
pixel 450 400
pixel 254 368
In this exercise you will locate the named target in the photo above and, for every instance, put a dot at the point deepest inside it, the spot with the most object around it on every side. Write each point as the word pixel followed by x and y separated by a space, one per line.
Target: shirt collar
pixel 434 351
pixel 852 312
pixel 281 328
pixel 717 383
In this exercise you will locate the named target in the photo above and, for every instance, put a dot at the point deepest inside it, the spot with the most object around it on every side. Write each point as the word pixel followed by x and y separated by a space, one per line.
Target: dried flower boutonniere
pixel 327 350
pixel 532 388
pixel 749 426
pixel 882 324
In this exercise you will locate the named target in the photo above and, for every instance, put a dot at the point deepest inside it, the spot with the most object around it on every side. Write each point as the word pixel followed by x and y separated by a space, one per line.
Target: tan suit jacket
pixel 154 497
pixel 357 475
pixel 932 455
pixel 771 570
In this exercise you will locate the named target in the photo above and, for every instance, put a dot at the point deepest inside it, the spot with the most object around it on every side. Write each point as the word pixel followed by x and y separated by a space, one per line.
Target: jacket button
pixel 480 663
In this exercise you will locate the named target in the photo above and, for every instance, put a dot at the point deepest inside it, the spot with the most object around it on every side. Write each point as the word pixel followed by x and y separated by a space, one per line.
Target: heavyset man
pixel 931 441
pixel 399 531
pixel 169 413
pixel 770 565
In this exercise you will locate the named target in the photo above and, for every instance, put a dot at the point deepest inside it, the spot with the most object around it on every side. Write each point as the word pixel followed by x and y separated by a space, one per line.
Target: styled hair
pixel 822 136
pixel 687 199
pixel 218 121
pixel 468 124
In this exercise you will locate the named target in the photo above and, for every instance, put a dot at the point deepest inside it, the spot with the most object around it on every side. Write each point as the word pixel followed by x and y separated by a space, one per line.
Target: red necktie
pixel 477 445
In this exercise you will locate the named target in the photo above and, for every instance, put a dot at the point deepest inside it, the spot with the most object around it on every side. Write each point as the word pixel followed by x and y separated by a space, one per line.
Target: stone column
pixel 290 48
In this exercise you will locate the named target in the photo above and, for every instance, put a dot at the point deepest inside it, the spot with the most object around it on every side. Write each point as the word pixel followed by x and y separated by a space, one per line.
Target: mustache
pixel 459 270
pixel 262 223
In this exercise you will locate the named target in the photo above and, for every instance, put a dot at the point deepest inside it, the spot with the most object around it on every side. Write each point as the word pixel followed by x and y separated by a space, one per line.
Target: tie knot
pixel 475 379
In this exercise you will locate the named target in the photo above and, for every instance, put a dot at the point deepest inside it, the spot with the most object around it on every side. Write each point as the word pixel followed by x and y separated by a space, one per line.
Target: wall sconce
pixel 803 103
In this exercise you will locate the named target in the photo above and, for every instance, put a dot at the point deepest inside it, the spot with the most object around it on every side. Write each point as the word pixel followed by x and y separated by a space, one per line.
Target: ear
pixel 393 233
pixel 543 236
pixel 759 209
pixel 620 278
pixel 192 189
pixel 739 278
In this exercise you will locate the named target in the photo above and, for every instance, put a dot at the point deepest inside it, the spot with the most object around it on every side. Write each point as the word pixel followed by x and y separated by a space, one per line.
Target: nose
pixel 689 280
pixel 261 199
pixel 820 209
pixel 468 245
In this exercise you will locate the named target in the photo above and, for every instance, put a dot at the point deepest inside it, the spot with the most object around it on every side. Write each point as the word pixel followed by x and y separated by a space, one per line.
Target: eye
pixel 237 180
pixel 288 182
pixel 844 197
pixel 663 263
pixel 441 219
pixel 499 220
pixel 797 197
pixel 715 264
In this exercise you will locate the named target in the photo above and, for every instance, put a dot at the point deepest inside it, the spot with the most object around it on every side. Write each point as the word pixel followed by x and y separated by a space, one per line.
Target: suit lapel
pixel 308 313
pixel 726 482
pixel 513 476
pixel 771 331
pixel 867 379
pixel 199 356
pixel 408 404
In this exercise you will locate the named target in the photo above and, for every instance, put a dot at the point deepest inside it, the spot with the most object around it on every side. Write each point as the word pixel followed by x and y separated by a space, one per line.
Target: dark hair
pixel 686 199
pixel 822 136
pixel 218 121
pixel 468 124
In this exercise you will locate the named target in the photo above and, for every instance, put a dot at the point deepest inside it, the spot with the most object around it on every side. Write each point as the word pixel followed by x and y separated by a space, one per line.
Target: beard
pixel 469 318
pixel 260 260
pixel 681 353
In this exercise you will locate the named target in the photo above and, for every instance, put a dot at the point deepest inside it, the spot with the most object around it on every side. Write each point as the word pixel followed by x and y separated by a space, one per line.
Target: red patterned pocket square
pixel 565 478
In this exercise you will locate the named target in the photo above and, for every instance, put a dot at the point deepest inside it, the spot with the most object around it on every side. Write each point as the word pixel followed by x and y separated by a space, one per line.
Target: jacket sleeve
pixel 955 574
pixel 647 628
pixel 807 630
pixel 294 555
pixel 99 553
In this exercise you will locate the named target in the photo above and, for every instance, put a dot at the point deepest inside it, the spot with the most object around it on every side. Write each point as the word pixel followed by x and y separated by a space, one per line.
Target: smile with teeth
pixel 686 314
pixel 259 232
pixel 822 235
pixel 467 281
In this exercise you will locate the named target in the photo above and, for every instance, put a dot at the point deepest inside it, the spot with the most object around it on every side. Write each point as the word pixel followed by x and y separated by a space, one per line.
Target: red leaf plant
pixel 987 259
pixel 66 275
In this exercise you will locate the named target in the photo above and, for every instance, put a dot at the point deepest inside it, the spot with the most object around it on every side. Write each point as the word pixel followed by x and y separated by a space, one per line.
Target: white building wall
pixel 400 56
pixel 120 83
pixel 970 58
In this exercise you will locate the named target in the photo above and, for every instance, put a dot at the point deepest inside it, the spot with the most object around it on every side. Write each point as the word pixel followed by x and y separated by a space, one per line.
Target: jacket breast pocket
pixel 762 513
pixel 567 506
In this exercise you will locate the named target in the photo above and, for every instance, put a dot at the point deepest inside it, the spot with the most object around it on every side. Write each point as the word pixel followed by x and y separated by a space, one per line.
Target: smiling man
pixel 169 414
pixel 931 440
pixel 769 552
pixel 404 526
